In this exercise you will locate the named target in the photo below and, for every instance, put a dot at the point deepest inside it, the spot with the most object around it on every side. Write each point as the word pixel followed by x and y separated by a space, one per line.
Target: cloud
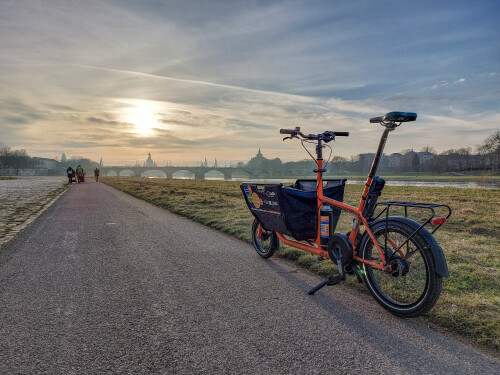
pixel 97 120
pixel 222 78
pixel 59 107
pixel 14 120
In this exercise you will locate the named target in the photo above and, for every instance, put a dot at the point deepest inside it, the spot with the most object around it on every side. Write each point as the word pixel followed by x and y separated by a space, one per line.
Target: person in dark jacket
pixel 71 174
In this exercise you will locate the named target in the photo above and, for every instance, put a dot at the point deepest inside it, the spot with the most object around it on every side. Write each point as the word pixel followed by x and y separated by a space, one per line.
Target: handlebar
pixel 326 136
pixel 295 131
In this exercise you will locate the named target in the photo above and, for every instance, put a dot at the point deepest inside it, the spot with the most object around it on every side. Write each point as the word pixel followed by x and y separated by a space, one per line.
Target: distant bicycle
pixel 396 257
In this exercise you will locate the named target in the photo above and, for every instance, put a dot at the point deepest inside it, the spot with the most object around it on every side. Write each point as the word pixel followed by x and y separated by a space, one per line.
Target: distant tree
pixel 3 148
pixel 339 163
pixel 431 150
pixel 339 159
pixel 449 152
pixel 14 158
pixel 464 154
pixel 491 148
pixel 415 163
pixel 240 164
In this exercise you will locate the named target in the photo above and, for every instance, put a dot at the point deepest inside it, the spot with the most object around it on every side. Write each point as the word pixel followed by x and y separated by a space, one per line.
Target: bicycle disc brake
pixel 400 267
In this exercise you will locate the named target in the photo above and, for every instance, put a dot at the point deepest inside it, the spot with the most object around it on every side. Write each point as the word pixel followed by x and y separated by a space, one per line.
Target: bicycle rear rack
pixel 434 221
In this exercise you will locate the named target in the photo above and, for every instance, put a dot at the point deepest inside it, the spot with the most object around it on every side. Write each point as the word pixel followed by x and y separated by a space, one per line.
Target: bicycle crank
pixel 340 252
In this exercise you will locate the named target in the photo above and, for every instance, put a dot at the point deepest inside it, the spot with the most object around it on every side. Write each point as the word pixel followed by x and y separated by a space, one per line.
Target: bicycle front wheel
pixel 267 243
pixel 411 287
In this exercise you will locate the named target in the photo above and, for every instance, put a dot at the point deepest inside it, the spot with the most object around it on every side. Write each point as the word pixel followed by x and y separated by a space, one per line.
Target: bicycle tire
pixel 409 294
pixel 267 244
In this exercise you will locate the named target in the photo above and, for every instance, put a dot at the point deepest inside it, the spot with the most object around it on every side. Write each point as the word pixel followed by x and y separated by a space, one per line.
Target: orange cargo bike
pixel 390 248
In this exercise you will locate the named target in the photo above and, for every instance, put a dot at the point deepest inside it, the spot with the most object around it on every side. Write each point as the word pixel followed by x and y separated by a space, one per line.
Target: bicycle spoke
pixel 400 289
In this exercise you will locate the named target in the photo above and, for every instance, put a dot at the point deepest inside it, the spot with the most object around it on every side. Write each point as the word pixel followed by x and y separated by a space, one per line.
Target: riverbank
pixel 470 300
pixel 22 199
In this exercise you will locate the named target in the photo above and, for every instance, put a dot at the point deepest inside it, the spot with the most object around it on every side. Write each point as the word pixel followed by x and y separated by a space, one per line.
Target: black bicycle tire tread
pixel 274 243
pixel 433 290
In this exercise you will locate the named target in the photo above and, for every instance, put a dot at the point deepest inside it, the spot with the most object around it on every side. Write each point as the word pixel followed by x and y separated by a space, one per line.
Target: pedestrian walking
pixel 80 174
pixel 71 175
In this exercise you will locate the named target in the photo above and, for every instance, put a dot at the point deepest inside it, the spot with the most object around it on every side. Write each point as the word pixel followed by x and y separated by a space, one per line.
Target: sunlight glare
pixel 144 119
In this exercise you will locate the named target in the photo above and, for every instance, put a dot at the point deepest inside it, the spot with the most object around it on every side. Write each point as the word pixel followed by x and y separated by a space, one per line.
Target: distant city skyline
pixel 188 79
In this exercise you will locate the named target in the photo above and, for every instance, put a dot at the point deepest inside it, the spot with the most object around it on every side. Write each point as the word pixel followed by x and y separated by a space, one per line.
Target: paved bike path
pixel 105 283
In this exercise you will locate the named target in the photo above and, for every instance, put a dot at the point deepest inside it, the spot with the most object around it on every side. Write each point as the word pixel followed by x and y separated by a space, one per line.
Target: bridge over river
pixel 199 173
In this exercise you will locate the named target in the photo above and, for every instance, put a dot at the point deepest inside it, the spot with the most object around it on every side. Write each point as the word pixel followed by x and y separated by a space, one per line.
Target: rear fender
pixel 432 244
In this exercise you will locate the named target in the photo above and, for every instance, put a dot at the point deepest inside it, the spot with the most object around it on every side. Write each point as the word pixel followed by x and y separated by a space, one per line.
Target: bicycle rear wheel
pixel 267 243
pixel 412 286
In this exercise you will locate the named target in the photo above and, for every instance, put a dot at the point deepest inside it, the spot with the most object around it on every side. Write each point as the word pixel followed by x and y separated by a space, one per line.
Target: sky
pixel 188 80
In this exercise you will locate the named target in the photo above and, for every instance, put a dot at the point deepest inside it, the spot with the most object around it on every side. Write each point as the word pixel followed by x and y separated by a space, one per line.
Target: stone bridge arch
pixel 241 174
pixel 184 174
pixel 154 173
pixel 214 174
pixel 126 173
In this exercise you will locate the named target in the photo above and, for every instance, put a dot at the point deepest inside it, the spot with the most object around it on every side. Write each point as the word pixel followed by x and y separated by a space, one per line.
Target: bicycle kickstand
pixel 332 279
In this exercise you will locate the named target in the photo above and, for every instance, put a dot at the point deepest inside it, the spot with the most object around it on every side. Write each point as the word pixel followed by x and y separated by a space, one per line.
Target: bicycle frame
pixel 357 211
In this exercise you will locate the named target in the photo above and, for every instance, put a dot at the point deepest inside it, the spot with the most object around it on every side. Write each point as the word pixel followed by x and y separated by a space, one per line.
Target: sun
pixel 144 118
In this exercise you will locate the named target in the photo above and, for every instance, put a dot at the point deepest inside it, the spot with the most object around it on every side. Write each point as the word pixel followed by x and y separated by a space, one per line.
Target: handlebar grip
pixel 341 134
pixel 288 131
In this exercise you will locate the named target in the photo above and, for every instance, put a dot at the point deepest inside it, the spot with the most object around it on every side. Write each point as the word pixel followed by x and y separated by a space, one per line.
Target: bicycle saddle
pixel 395 117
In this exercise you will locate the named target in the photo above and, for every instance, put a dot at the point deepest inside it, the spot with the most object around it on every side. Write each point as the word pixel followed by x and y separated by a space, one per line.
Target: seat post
pixel 380 150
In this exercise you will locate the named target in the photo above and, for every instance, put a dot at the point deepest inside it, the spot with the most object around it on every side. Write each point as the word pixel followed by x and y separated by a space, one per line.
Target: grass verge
pixel 470 300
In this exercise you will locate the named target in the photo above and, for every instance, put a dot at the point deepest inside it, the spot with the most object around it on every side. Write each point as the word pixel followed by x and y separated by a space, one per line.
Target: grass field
pixel 470 300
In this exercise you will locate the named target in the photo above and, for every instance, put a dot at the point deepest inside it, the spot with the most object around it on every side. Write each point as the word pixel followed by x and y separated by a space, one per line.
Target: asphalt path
pixel 103 283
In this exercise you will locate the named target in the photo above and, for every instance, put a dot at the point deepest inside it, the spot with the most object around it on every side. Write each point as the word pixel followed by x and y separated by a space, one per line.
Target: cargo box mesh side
pixel 264 204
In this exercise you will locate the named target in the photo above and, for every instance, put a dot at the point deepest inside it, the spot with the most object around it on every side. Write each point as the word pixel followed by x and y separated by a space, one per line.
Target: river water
pixel 457 184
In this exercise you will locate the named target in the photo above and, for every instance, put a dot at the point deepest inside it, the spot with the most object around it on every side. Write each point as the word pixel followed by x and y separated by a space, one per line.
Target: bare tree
pixel 431 150
pixel 463 157
pixel 490 150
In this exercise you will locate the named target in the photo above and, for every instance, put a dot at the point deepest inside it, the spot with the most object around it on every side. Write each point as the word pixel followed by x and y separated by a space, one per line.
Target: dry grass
pixel 470 301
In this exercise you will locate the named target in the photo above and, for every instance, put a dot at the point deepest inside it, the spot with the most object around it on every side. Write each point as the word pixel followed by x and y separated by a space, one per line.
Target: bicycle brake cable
pixel 307 141
pixel 329 156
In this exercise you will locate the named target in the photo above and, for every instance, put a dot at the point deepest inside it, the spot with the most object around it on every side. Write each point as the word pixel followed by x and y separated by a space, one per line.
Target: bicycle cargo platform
pixel 291 210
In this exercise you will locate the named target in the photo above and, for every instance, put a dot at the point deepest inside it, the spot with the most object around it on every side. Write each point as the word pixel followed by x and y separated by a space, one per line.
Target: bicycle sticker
pixel 256 200
pixel 325 227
